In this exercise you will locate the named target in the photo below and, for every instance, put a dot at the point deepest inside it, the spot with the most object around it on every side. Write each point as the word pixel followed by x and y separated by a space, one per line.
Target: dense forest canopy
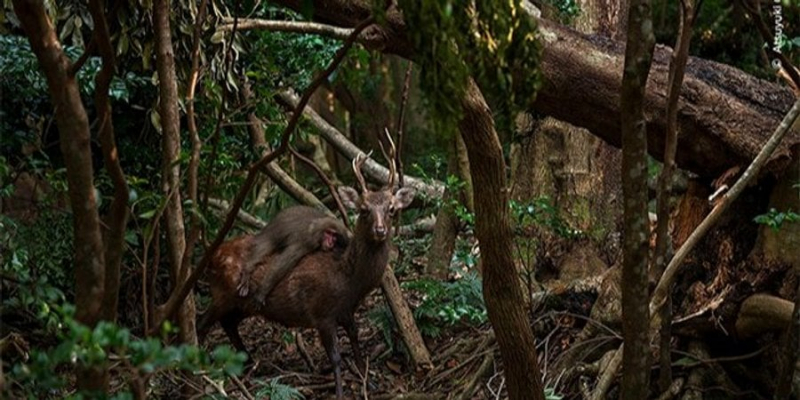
pixel 531 184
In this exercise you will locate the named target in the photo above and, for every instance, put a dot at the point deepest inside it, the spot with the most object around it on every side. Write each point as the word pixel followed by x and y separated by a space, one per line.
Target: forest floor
pixel 466 359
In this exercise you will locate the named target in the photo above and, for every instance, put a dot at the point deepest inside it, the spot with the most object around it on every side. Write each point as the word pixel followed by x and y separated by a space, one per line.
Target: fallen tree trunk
pixel 724 115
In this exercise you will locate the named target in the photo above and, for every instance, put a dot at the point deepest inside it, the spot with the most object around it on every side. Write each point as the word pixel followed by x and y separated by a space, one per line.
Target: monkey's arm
pixel 263 246
pixel 282 263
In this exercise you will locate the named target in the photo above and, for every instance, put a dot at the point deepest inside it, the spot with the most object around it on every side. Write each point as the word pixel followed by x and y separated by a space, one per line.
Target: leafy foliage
pixel 274 390
pixel 41 279
pixel 568 10
pixel 36 255
pixel 492 41
pixel 272 56
pixel 448 303
pixel 775 219
pixel 532 220
pixel 455 184
pixel 82 346
pixel 542 213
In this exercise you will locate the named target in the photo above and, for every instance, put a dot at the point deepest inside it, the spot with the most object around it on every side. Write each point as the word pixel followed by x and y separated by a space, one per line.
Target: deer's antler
pixel 390 159
pixel 358 162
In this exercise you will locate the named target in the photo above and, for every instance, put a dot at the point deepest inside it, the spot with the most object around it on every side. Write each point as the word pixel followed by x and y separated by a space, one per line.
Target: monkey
pixel 292 234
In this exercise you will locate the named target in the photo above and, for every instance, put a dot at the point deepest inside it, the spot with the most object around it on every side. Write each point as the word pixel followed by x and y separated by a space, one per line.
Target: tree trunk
pixel 577 170
pixel 73 128
pixel 501 286
pixel 445 230
pixel 724 116
pixel 405 319
pixel 117 218
pixel 171 146
pixel 636 231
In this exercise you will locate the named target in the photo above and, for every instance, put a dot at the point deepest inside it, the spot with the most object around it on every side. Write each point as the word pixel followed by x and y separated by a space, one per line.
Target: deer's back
pixel 316 292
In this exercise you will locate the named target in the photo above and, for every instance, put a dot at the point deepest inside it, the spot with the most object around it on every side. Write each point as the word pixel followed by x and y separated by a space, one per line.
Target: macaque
pixel 292 234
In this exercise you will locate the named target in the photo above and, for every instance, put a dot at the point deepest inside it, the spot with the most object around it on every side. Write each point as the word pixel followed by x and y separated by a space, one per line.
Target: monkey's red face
pixel 333 240
pixel 328 240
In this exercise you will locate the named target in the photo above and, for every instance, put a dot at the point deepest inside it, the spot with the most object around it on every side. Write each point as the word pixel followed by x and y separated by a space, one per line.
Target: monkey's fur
pixel 292 234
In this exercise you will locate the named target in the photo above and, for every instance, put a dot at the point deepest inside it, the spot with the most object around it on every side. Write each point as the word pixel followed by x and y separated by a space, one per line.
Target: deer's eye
pixel 391 210
pixel 364 210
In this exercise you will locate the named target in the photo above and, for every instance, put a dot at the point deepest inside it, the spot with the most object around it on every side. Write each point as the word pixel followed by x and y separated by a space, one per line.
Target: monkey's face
pixel 334 240
pixel 376 209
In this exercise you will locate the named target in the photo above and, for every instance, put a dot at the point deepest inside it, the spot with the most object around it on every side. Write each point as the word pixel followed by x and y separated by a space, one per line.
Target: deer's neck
pixel 365 259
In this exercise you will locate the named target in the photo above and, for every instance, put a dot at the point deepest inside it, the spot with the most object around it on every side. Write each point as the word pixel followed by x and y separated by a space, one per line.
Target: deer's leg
pixel 349 325
pixel 230 323
pixel 208 319
pixel 328 336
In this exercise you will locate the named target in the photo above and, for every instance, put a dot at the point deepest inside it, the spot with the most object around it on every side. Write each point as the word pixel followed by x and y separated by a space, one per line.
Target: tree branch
pixel 195 222
pixel 346 147
pixel 638 58
pixel 677 67
pixel 665 284
pixel 286 26
pixel 273 170
pixel 331 188
pixel 73 130
pixel 117 218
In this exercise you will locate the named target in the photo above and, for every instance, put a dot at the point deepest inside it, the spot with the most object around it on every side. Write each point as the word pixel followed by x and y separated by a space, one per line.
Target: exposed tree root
pixel 762 313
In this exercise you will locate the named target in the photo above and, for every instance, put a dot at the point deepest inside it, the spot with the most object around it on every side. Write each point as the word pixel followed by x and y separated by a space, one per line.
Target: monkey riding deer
pixel 325 288
pixel 293 233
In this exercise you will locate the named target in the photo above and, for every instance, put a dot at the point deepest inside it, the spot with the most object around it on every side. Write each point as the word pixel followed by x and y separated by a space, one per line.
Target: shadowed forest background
pixel 585 173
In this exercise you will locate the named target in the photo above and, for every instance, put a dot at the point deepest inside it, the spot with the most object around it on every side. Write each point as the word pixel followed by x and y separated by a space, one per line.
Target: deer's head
pixel 376 208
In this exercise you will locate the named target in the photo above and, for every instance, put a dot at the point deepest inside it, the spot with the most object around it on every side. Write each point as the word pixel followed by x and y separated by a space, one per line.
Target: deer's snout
pixel 380 232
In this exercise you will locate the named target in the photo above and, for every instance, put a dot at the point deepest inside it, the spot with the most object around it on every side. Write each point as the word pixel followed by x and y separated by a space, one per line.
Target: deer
pixel 325 287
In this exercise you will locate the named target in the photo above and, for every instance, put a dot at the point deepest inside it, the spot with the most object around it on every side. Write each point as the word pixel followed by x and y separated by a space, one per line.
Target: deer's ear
pixel 404 197
pixel 349 197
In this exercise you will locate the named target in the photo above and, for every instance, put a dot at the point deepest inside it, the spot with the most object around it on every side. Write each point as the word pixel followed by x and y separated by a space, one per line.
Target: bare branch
pixel 401 122
pixel 117 218
pixel 191 124
pixel 324 178
pixel 222 207
pixel 390 157
pixel 349 150
pixel 663 249
pixel 246 24
pixel 273 170
pixel 664 285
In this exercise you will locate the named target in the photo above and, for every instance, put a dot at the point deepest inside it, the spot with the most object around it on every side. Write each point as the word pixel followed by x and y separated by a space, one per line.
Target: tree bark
pixel 636 231
pixel 724 115
pixel 405 319
pixel 445 230
pixel 501 286
pixel 273 170
pixel 663 249
pixel 171 147
pixel 73 128
pixel 117 218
